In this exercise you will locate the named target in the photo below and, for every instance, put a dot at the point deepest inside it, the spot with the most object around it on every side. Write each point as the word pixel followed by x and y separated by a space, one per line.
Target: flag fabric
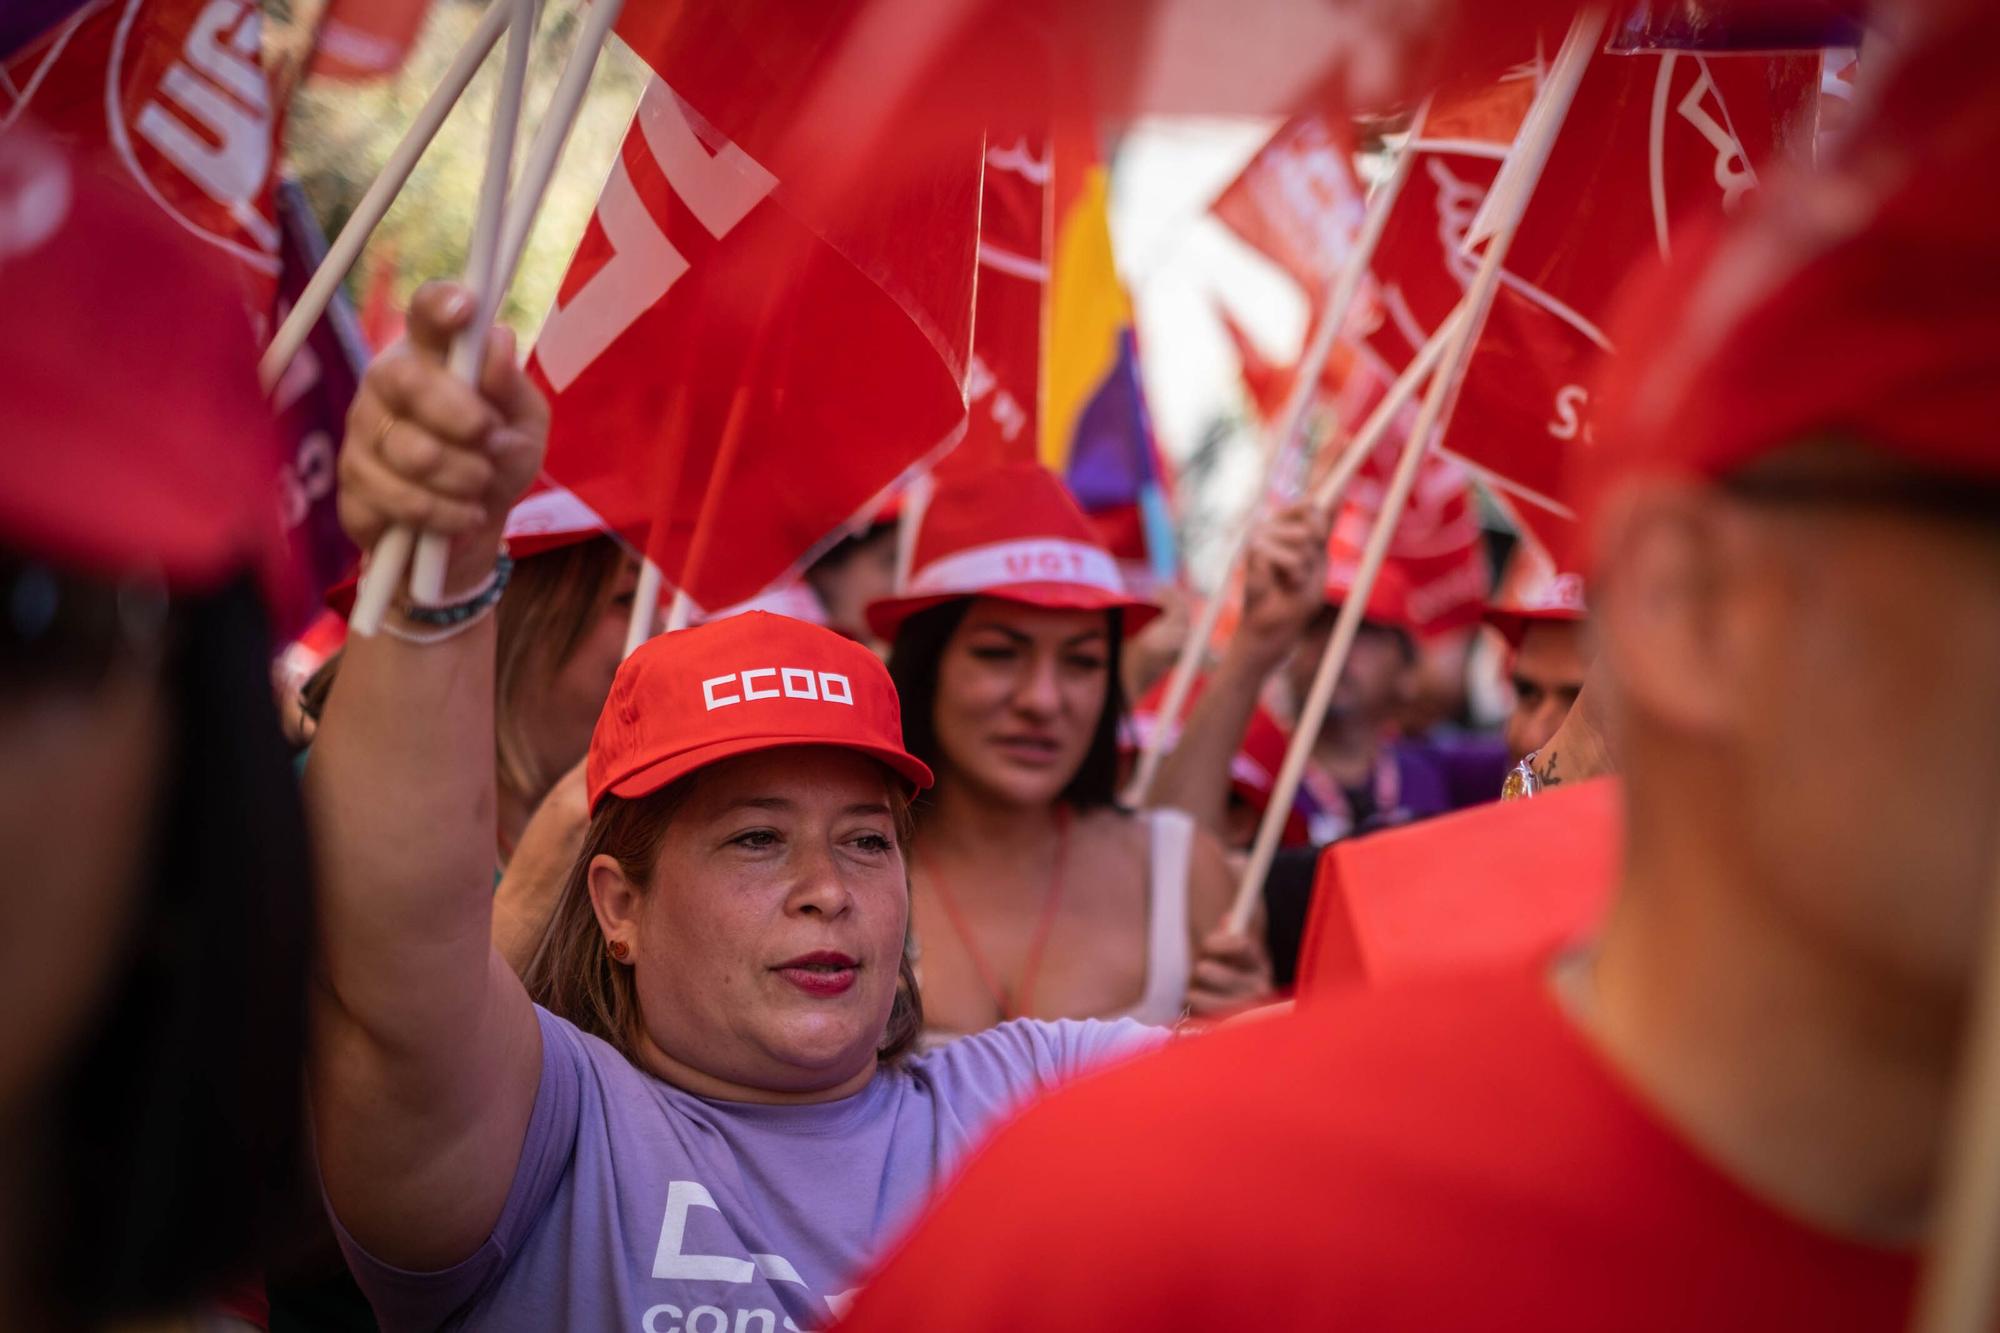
pixel 1650 143
pixel 360 40
pixel 311 400
pixel 1265 381
pixel 1298 202
pixel 745 337
pixel 25 21
pixel 1496 884
pixel 1437 564
pixel 1096 433
pixel 171 94
pixel 1003 384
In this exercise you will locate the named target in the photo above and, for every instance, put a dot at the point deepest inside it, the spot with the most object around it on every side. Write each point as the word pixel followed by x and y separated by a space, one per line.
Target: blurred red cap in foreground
pixel 136 438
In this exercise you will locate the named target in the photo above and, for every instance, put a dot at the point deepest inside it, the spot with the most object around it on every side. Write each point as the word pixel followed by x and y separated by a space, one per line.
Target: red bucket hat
pixel 752 682
pixel 1011 532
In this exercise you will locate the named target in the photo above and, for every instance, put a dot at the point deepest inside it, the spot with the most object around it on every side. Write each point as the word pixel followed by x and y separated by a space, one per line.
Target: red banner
pixel 1650 142
pixel 758 352
pixel 173 93
pixel 366 39
pixel 1298 201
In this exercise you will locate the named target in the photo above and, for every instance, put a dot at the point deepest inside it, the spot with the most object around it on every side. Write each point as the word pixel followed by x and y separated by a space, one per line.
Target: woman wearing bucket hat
pixel 1034 892
pixel 710 1121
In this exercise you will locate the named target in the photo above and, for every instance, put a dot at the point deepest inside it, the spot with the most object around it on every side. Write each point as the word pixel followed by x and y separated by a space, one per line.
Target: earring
pixel 620 950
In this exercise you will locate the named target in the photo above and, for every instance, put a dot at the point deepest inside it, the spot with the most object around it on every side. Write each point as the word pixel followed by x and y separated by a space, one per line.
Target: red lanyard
pixel 1010 1006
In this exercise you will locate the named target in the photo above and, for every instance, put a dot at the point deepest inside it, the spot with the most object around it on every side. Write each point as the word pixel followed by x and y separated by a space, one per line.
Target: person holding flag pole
pixel 1765 1089
pixel 1531 149
pixel 1283 436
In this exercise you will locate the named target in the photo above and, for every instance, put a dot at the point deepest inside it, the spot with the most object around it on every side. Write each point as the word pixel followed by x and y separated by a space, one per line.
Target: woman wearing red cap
pixel 711 1121
pixel 1035 893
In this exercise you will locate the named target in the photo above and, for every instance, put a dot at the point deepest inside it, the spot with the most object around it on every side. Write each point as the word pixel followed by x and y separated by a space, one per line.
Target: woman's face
pixel 766 947
pixel 77 781
pixel 1019 694
pixel 563 713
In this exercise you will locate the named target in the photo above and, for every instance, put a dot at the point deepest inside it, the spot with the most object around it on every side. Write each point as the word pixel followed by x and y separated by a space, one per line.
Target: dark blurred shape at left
pixel 155 906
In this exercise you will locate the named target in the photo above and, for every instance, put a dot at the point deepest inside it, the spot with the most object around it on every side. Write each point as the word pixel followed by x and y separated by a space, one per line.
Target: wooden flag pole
pixel 1340 296
pixel 1327 494
pixel 375 202
pixel 645 606
pixel 483 273
pixel 1534 142
pixel 1957 1292
pixel 392 553
pixel 545 153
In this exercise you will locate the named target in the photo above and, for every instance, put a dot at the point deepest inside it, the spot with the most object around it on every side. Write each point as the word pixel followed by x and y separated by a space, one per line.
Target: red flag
pixel 1298 201
pixel 1437 572
pixel 758 351
pixel 1266 381
pixel 1002 385
pixel 172 94
pixel 1650 141
pixel 366 39
pixel 1496 884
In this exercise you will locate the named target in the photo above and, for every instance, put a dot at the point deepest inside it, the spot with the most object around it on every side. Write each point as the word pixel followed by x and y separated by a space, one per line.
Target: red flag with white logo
pixel 1297 200
pixel 1003 384
pixel 1650 141
pixel 743 338
pixel 172 95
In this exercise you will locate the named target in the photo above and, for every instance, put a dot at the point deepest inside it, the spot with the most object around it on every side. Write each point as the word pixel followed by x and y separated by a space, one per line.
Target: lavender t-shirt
pixel 642 1208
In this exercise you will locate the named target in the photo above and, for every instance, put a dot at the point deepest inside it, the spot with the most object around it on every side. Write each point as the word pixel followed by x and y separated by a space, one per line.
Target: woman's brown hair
pixel 551 602
pixel 573 975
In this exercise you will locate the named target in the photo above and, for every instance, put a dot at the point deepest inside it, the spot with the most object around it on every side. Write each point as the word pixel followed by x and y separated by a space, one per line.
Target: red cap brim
pixel 1513 623
pixel 650 778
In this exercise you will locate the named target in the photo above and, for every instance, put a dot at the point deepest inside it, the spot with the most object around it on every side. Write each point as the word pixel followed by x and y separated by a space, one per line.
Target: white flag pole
pixel 1957 1291
pixel 1327 494
pixel 1340 296
pixel 681 612
pixel 545 153
pixel 1533 144
pixel 645 606
pixel 375 202
pixel 482 269
pixel 392 553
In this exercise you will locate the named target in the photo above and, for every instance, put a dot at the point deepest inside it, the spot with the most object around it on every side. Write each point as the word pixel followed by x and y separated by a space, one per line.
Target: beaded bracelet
pixel 475 604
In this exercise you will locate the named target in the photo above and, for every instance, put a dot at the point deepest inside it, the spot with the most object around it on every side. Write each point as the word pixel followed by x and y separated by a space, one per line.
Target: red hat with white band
pixel 1553 598
pixel 752 682
pixel 1014 533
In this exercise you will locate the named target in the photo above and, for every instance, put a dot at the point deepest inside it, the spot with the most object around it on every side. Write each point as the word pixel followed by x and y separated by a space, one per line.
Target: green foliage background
pixel 339 135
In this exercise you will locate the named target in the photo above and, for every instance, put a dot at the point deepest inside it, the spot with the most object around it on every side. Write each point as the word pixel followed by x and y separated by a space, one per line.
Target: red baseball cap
pixel 1015 533
pixel 1553 598
pixel 752 682
pixel 1388 600
pixel 136 439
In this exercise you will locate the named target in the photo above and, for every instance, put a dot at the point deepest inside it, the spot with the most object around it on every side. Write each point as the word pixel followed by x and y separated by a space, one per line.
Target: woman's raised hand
pixel 427 450
pixel 1232 973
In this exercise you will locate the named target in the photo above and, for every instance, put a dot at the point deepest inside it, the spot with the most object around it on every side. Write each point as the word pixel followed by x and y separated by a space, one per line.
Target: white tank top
pixel 1163 998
